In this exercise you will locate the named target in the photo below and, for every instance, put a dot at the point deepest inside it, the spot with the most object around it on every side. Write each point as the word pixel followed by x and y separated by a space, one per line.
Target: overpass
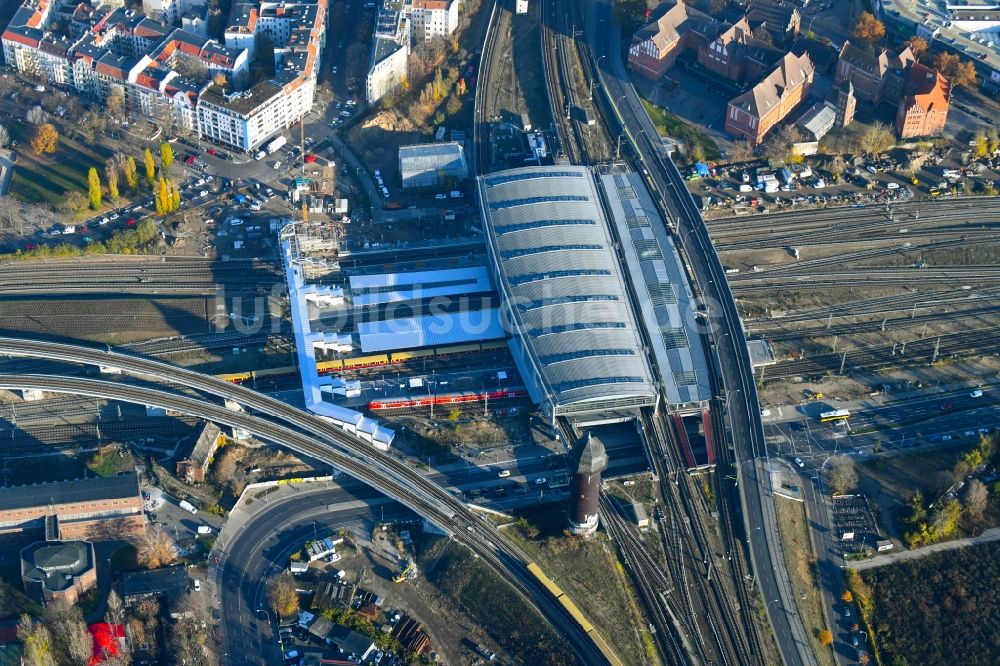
pixel 310 436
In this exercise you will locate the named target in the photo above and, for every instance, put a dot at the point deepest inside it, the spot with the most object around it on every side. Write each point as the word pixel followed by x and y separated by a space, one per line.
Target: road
pixel 262 547
pixel 325 442
pixel 730 344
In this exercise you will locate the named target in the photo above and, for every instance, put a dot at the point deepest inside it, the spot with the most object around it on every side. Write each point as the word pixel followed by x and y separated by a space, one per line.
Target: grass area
pixel 587 571
pixel 13 601
pixel 801 563
pixel 106 461
pixel 492 603
pixel 668 124
pixel 938 609
pixel 891 481
pixel 46 180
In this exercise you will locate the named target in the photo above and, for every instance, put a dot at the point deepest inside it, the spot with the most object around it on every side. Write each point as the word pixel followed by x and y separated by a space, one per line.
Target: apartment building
pixel 433 18
pixel 390 52
pixel 923 111
pixel 777 21
pixel 753 114
pixel 167 72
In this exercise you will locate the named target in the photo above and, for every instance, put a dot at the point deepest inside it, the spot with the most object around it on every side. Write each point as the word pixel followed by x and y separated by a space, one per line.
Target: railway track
pixel 960 344
pixel 558 80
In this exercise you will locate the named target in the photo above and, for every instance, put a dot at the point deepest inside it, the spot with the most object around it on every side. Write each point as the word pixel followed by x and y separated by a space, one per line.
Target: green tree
pixel 94 188
pixel 166 155
pixel 630 13
pixel 150 167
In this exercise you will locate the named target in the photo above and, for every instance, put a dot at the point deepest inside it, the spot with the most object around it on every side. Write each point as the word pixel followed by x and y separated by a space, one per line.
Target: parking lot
pixel 759 186
pixel 853 523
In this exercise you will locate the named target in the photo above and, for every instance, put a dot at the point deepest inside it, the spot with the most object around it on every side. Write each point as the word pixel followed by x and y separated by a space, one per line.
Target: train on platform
pixel 445 399
pixel 575 613
pixel 371 361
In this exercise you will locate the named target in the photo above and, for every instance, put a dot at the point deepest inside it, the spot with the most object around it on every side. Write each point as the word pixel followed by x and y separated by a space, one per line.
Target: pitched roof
pixel 927 89
pixel 876 64
pixel 790 73
pixel 68 492
pixel 776 14
pixel 672 24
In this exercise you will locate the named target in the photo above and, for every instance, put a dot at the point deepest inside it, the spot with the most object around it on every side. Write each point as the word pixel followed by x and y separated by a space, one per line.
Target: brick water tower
pixel 591 459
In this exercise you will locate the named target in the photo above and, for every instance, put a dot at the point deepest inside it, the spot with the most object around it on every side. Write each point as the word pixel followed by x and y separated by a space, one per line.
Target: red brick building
pixel 194 466
pixel 724 55
pixel 656 45
pixel 755 112
pixel 877 77
pixel 58 570
pixel 95 509
pixel 923 111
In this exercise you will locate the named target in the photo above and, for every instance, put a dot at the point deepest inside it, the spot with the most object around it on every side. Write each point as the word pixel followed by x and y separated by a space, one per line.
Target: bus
pixel 835 415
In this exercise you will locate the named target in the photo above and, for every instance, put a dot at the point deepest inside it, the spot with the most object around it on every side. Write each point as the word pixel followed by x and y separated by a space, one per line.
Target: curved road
pixel 262 548
pixel 324 442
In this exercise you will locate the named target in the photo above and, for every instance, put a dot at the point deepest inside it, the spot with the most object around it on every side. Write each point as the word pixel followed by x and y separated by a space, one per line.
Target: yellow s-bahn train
pixel 374 361
pixel 575 613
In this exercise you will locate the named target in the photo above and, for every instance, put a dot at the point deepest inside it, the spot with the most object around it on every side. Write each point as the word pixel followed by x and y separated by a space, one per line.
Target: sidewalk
pixel 992 534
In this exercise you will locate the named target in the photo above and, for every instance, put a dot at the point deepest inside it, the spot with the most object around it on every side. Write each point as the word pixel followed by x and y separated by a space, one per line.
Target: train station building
pixel 602 318
pixel 564 300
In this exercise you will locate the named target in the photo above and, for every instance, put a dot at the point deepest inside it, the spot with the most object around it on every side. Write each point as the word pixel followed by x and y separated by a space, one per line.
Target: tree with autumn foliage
pixel 283 596
pixel 150 165
pixel 847 597
pixel 46 139
pixel 918 47
pixel 960 73
pixel 826 637
pixel 868 29
pixel 94 188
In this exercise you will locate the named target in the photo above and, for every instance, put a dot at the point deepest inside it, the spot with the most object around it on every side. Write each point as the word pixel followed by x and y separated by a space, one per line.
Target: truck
pixel 275 145
pixel 187 506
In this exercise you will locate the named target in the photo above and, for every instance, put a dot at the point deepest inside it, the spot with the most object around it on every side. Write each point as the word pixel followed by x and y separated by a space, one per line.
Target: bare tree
pixel 740 151
pixel 977 498
pixel 37 116
pixel 4 137
pixel 37 640
pixel 192 68
pixel 877 139
pixel 156 549
pixel 114 104
pixel 114 612
pixel 842 475
pixel 70 637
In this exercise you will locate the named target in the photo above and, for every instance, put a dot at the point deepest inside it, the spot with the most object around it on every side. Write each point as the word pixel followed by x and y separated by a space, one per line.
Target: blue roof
pixel 393 287
pixel 431 330
pixel 701 168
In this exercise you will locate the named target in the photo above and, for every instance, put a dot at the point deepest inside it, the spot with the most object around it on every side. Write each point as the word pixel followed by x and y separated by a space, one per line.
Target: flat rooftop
pixel 564 293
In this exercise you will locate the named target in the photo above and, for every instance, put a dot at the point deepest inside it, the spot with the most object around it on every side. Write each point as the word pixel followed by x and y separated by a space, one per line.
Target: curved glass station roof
pixel 565 300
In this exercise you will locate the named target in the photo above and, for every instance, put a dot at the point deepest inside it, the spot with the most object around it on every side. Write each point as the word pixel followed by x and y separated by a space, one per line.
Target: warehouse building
pixel 575 339
pixel 432 165
pixel 95 508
